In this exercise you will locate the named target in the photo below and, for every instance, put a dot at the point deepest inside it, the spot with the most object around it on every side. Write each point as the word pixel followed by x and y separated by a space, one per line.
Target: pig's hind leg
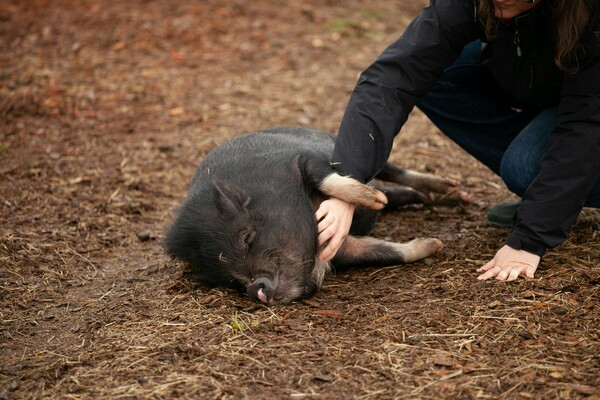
pixel 418 187
pixel 402 195
pixel 367 251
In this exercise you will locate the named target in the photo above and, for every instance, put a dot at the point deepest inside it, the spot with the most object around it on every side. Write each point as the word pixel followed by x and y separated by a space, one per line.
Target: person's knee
pixel 521 160
pixel 516 173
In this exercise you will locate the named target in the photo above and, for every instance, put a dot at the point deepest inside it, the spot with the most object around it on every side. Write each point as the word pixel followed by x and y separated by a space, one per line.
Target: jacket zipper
pixel 517 43
pixel 517 38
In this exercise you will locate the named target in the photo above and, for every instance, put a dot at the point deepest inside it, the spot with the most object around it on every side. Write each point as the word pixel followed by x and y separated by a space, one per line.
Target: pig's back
pixel 267 149
pixel 255 156
pixel 278 142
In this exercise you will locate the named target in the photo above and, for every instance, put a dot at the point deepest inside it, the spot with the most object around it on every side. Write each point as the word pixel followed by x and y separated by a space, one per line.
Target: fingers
pixel 329 251
pixel 324 222
pixel 490 273
pixel 514 274
pixel 506 272
pixel 487 266
pixel 529 273
pixel 508 264
pixel 502 275
pixel 334 218
pixel 321 212
pixel 331 233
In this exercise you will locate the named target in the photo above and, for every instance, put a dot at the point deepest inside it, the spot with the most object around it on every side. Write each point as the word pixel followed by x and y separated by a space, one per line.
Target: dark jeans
pixel 466 106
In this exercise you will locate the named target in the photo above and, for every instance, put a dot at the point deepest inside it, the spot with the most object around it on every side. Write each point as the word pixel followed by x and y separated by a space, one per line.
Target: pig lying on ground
pixel 249 217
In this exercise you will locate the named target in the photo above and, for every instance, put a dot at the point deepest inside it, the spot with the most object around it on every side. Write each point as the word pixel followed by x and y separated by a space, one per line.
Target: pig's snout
pixel 262 289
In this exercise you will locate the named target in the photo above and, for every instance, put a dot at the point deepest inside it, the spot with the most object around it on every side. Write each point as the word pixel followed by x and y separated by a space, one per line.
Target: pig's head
pixel 265 245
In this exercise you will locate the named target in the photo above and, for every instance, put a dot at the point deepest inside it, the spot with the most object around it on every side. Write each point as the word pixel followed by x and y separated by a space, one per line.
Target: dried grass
pixel 107 108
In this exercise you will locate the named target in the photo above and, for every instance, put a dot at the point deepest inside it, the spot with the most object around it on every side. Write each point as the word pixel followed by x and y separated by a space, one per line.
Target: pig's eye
pixel 247 236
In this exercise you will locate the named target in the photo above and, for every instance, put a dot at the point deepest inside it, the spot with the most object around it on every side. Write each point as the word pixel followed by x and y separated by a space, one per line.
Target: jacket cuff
pixel 517 243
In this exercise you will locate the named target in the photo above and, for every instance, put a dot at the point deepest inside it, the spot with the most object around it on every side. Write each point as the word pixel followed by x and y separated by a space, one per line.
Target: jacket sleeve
pixel 571 166
pixel 388 90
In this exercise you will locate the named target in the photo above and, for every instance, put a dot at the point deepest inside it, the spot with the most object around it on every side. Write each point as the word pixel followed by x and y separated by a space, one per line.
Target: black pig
pixel 248 219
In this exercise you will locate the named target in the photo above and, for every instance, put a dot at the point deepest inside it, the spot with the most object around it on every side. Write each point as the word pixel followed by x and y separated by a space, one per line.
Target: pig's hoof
pixel 429 245
pixel 420 248
pixel 377 200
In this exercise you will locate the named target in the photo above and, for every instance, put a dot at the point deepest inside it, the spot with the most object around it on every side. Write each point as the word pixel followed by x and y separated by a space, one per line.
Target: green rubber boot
pixel 502 214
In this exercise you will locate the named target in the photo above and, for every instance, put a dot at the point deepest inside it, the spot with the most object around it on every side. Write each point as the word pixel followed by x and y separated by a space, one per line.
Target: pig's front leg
pixel 352 191
pixel 316 171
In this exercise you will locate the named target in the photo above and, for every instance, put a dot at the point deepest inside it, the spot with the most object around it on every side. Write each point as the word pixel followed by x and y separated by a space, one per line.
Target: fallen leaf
pixel 528 294
pixel 443 360
pixel 119 45
pixel 494 304
pixel 177 111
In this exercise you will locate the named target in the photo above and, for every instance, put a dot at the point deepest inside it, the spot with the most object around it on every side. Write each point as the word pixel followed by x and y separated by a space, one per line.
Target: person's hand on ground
pixel 508 264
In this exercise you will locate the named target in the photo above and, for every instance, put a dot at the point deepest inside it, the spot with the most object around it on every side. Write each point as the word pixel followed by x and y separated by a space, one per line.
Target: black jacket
pixel 388 90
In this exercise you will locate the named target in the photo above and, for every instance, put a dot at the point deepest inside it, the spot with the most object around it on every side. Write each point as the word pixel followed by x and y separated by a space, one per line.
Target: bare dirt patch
pixel 107 107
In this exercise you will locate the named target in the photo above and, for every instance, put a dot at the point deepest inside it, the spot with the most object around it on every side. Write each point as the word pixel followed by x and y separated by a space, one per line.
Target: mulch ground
pixel 107 107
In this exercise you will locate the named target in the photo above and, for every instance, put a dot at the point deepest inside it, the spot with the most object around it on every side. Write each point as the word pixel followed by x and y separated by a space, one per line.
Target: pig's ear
pixel 229 198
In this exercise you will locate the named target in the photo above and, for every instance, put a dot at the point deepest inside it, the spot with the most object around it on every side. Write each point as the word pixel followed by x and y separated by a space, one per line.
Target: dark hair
pixel 569 19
